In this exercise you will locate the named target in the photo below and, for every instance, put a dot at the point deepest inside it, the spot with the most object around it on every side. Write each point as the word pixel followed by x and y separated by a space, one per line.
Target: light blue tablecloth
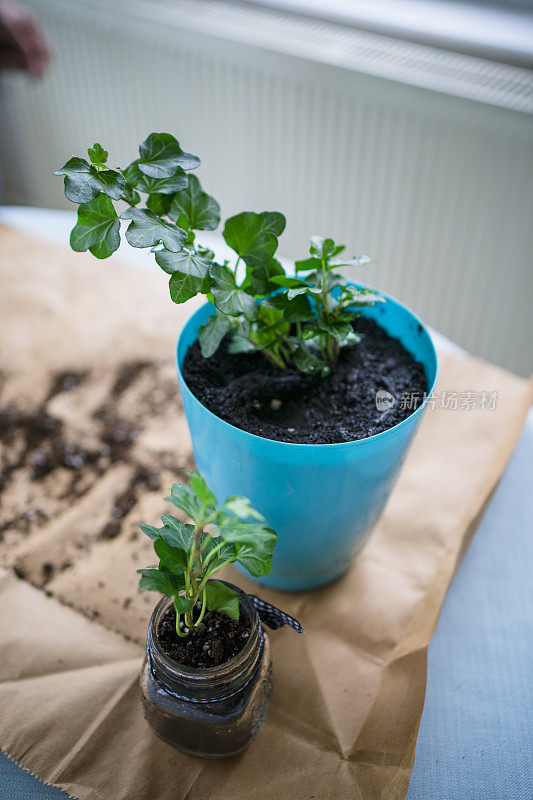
pixel 476 740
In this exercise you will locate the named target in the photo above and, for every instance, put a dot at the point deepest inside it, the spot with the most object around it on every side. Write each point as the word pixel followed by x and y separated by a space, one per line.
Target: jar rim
pixel 225 671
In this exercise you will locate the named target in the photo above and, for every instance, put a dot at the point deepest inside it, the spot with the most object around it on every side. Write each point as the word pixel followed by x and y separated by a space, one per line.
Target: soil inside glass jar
pixel 249 392
pixel 216 640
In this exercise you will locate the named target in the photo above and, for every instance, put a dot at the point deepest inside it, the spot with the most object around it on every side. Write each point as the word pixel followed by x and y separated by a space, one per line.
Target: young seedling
pixel 300 322
pixel 190 554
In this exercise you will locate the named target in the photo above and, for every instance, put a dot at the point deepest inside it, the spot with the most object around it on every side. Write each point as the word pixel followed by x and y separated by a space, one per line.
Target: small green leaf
pixel 254 237
pixel 97 229
pixel 182 287
pixel 223 599
pixel 182 604
pixel 173 559
pixel 240 344
pixel 257 562
pixel 352 339
pixel 269 336
pixel 176 533
pixel 155 580
pixel 353 296
pixel 234 530
pixel 84 182
pixel 131 196
pixel 310 331
pixel 295 309
pixel 307 264
pixel 288 282
pixel 211 334
pixel 260 277
pixel 186 262
pixel 161 155
pixel 189 273
pixel 183 222
pixel 333 279
pixel 229 298
pixel 338 328
pixel 149 530
pixel 110 183
pixel 159 203
pixel 322 248
pixel 183 497
pixel 253 543
pixel 356 261
pixel 97 154
pixel 202 210
pixel 146 229
pixel 225 555
pixel 201 490
pixel 242 507
pixel 138 180
pixel 306 361
pixel 270 317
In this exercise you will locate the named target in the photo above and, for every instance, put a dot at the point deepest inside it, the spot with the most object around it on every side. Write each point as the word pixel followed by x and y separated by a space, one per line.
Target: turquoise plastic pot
pixel 323 500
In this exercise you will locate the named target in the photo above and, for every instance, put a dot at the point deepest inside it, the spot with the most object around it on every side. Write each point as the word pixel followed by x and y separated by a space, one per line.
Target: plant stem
pixel 212 571
pixel 216 569
pixel 236 265
pixel 192 589
pixel 214 551
pixel 331 349
pixel 336 350
pixel 178 629
pixel 324 293
pixel 204 606
pixel 273 358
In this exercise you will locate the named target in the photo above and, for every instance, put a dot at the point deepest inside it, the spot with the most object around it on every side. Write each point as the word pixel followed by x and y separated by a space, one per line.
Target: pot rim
pixel 305 446
pixel 228 668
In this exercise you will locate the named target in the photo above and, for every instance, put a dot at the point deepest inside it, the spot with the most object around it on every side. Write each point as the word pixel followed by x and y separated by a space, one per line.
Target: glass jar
pixel 213 712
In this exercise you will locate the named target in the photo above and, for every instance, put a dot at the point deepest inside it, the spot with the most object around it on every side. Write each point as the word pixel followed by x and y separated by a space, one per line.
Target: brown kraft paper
pixel 93 435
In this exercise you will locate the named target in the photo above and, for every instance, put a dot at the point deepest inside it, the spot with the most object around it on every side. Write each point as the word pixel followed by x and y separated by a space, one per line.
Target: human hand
pixel 22 43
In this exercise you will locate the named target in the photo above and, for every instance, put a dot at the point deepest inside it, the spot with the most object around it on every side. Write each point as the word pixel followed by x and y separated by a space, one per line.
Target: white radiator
pixel 421 157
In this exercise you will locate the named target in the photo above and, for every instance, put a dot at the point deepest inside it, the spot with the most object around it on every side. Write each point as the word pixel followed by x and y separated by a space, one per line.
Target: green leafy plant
pixel 190 554
pixel 300 321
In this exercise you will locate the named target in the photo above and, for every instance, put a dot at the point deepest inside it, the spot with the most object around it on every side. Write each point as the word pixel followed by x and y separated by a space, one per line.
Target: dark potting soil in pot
pixel 217 639
pixel 250 393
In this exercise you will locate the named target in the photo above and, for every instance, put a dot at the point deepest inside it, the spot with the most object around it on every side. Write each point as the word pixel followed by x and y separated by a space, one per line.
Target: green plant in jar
pixel 190 554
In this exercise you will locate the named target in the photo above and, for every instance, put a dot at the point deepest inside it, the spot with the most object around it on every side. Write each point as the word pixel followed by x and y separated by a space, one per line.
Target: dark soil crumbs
pixel 250 393
pixel 217 639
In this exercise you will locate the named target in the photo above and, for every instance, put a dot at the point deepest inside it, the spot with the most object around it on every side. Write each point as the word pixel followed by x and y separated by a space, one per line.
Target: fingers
pixel 25 44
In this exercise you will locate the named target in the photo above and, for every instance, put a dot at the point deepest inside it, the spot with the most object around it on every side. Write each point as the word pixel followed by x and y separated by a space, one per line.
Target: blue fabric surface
pixel 475 740
pixel 16 784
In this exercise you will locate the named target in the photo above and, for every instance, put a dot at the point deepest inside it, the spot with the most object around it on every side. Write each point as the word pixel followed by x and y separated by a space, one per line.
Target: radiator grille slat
pixel 436 187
